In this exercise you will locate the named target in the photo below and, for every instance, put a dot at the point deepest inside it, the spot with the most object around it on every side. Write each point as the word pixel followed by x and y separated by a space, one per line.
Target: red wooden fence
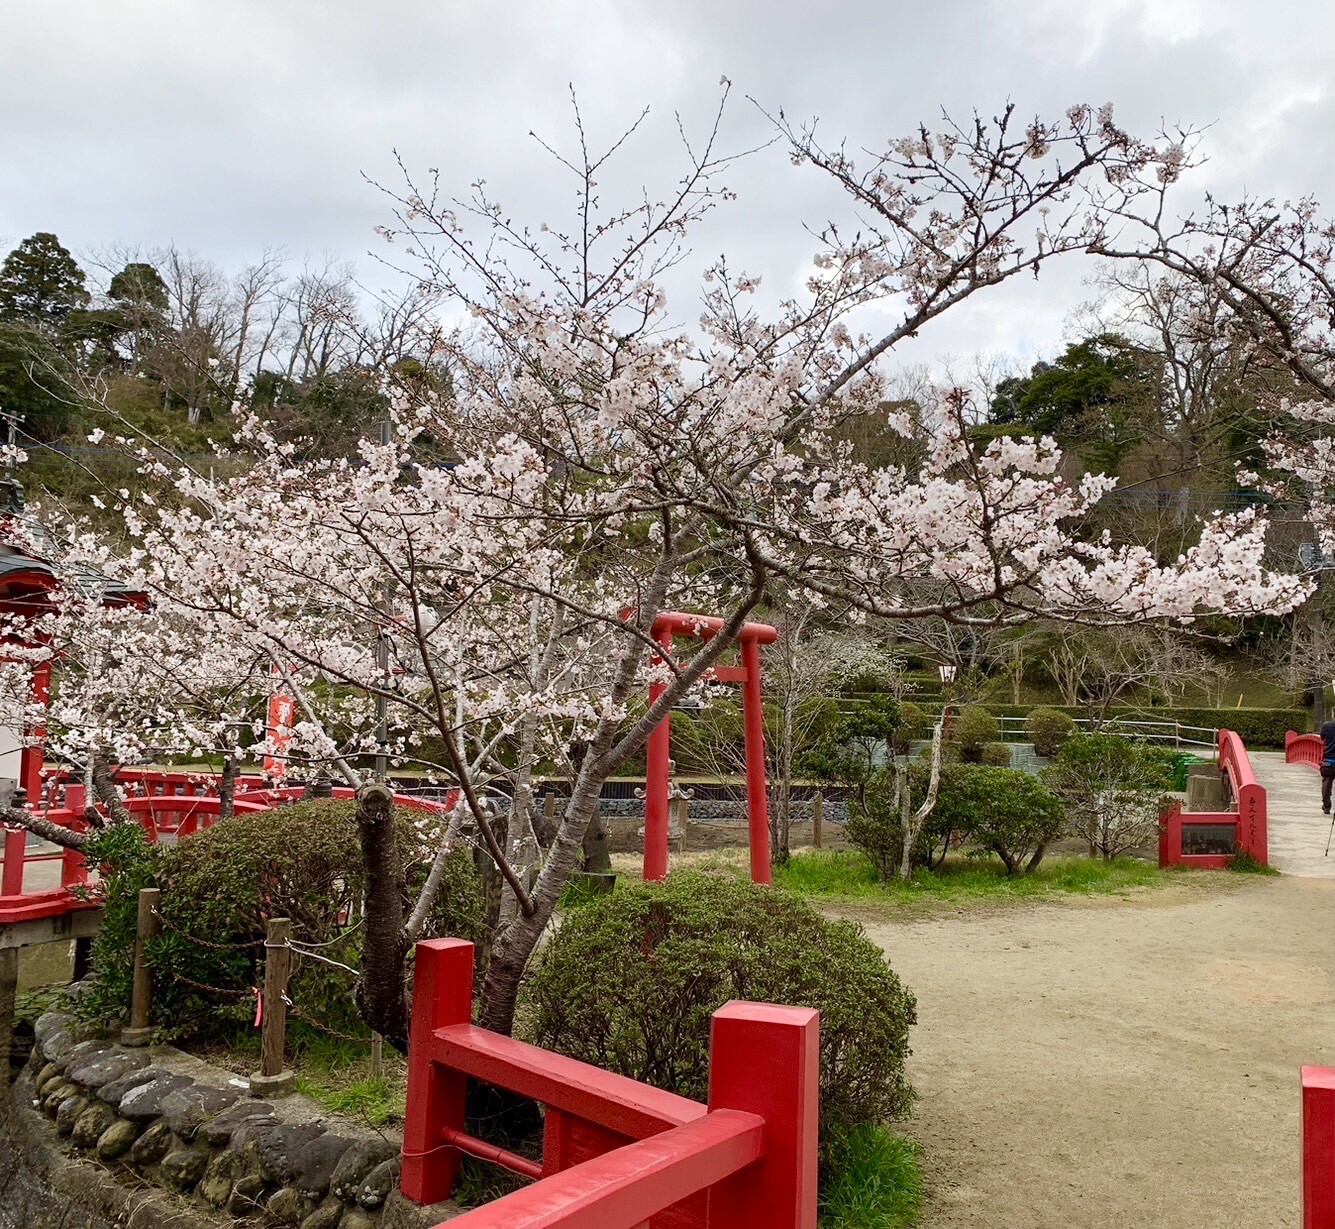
pixel 1247 818
pixel 617 1154
pixel 1318 1158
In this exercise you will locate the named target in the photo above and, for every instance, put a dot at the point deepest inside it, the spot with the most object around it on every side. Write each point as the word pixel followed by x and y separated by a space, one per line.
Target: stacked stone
pixel 213 1144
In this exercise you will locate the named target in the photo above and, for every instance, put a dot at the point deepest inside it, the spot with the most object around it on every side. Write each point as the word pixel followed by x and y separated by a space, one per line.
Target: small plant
pixel 1002 809
pixel 974 729
pixel 997 755
pixel 1245 864
pixel 869 1180
pixel 1048 729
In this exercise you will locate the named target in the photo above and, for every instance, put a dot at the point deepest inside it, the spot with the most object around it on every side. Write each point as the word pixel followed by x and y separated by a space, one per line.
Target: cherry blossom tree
pixel 491 571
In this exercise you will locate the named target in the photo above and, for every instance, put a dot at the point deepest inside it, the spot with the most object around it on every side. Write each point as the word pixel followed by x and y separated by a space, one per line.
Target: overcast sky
pixel 229 126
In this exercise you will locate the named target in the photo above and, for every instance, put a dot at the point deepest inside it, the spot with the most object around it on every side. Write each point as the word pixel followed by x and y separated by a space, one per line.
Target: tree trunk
pixel 104 786
pixel 597 857
pixel 1036 859
pixel 227 786
pixel 380 993
pixel 913 826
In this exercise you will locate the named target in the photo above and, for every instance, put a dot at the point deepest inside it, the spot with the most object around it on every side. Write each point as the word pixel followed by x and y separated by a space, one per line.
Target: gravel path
pixel 1126 1062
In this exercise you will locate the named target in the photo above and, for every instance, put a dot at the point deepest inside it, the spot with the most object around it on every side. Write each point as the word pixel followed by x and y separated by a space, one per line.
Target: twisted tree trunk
pixel 380 993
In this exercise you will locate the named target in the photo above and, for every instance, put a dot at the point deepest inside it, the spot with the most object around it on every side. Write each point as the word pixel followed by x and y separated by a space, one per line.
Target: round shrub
pixel 1002 809
pixel 1048 728
pixel 630 981
pixel 974 729
pixel 220 887
pixel 913 722
pixel 997 755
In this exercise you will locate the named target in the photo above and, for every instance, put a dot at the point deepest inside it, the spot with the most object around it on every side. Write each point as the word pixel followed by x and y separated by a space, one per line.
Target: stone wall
pixel 163 1121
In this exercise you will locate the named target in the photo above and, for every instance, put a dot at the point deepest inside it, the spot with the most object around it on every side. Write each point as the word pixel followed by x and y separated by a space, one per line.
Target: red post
pixel 766 1060
pixel 757 805
pixel 658 753
pixel 11 878
pixel 1318 1175
pixel 442 995
pixel 33 755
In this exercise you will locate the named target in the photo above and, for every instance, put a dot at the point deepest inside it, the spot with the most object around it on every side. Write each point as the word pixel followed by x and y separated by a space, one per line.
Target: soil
pixel 1127 1062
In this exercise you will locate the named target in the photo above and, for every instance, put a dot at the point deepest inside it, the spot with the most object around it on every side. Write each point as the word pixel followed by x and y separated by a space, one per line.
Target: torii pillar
pixel 659 748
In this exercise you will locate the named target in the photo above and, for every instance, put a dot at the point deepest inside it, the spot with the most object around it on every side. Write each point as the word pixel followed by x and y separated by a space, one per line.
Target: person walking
pixel 1327 763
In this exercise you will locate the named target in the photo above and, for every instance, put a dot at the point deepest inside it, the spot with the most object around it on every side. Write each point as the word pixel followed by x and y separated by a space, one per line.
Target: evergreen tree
pixel 40 282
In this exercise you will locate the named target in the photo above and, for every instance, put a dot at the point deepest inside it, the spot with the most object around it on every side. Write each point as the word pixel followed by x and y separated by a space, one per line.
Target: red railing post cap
pixel 766 1013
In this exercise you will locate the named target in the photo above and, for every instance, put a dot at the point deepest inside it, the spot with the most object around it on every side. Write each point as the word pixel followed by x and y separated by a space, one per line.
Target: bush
pixel 973 730
pixel 875 823
pixel 1048 728
pixel 1002 809
pixel 629 983
pixel 997 755
pixel 219 888
pixel 913 723
pixel 1113 789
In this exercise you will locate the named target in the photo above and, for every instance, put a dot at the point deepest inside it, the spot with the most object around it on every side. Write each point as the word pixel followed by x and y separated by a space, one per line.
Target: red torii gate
pixel 668 624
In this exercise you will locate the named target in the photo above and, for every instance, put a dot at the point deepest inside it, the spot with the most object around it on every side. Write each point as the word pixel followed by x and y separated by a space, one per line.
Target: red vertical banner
pixel 278 732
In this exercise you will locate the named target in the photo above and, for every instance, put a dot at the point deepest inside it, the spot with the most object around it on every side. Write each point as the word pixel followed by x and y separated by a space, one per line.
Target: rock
pixel 215 1187
pixel 356 1163
pixel 146 1100
pixel 355 1218
pixel 99 1070
pixel 316 1162
pixel 81 1051
pixel 90 1125
pixel 184 1167
pixel 187 1109
pixel 48 1073
pixel 151 1146
pixel 67 1113
pixel 219 1130
pixel 117 1140
pixel 58 1044
pixel 56 1091
pixel 287 1206
pixel 114 1092
pixel 379 1182
pixel 326 1216
pixel 245 1197
pixel 51 1022
pixel 271 1147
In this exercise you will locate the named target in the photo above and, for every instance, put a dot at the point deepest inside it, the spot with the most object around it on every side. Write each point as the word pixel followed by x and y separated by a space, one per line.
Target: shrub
pixel 875 823
pixel 848 746
pixel 973 730
pixel 997 755
pixel 1113 790
pixel 221 885
pixel 1002 809
pixel 630 981
pixel 1048 728
pixel 913 722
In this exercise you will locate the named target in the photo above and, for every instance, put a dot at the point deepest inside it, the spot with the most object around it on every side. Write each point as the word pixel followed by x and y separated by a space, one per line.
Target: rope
pixel 199 985
pixel 295 1011
pixel 216 947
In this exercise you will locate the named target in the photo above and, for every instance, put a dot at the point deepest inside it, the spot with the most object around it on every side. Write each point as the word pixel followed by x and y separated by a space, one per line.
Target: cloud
pixel 231 128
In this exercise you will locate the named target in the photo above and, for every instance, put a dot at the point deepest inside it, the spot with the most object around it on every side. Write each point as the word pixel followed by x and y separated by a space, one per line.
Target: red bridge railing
pixel 1182 834
pixel 617 1154
pixel 166 803
pixel 1303 749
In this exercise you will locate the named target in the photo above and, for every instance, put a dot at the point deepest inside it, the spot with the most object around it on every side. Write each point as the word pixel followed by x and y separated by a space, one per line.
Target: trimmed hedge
pixel 1261 728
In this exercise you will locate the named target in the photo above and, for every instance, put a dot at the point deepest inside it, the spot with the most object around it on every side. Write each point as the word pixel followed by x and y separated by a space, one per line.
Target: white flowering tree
pixel 609 462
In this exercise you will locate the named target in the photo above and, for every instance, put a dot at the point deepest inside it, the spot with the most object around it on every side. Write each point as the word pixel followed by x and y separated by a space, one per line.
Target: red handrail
pixel 1303 749
pixel 617 1153
pixel 1247 814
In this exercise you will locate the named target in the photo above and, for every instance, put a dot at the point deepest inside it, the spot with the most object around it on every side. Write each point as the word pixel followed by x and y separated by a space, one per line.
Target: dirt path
pixel 1129 1063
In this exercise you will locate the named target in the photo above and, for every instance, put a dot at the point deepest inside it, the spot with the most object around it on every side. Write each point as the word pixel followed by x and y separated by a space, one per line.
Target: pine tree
pixel 40 282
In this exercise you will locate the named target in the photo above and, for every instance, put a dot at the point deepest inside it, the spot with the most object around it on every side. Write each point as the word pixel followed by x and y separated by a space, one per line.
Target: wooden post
pixel 141 994
pixel 9 985
pixel 817 817
pixel 273 1078
pixel 377 1056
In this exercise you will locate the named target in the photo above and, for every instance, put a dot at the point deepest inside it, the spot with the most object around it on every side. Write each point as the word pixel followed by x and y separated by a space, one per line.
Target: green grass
pixel 870 1181
pixel 849 875
pixel 374 1100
